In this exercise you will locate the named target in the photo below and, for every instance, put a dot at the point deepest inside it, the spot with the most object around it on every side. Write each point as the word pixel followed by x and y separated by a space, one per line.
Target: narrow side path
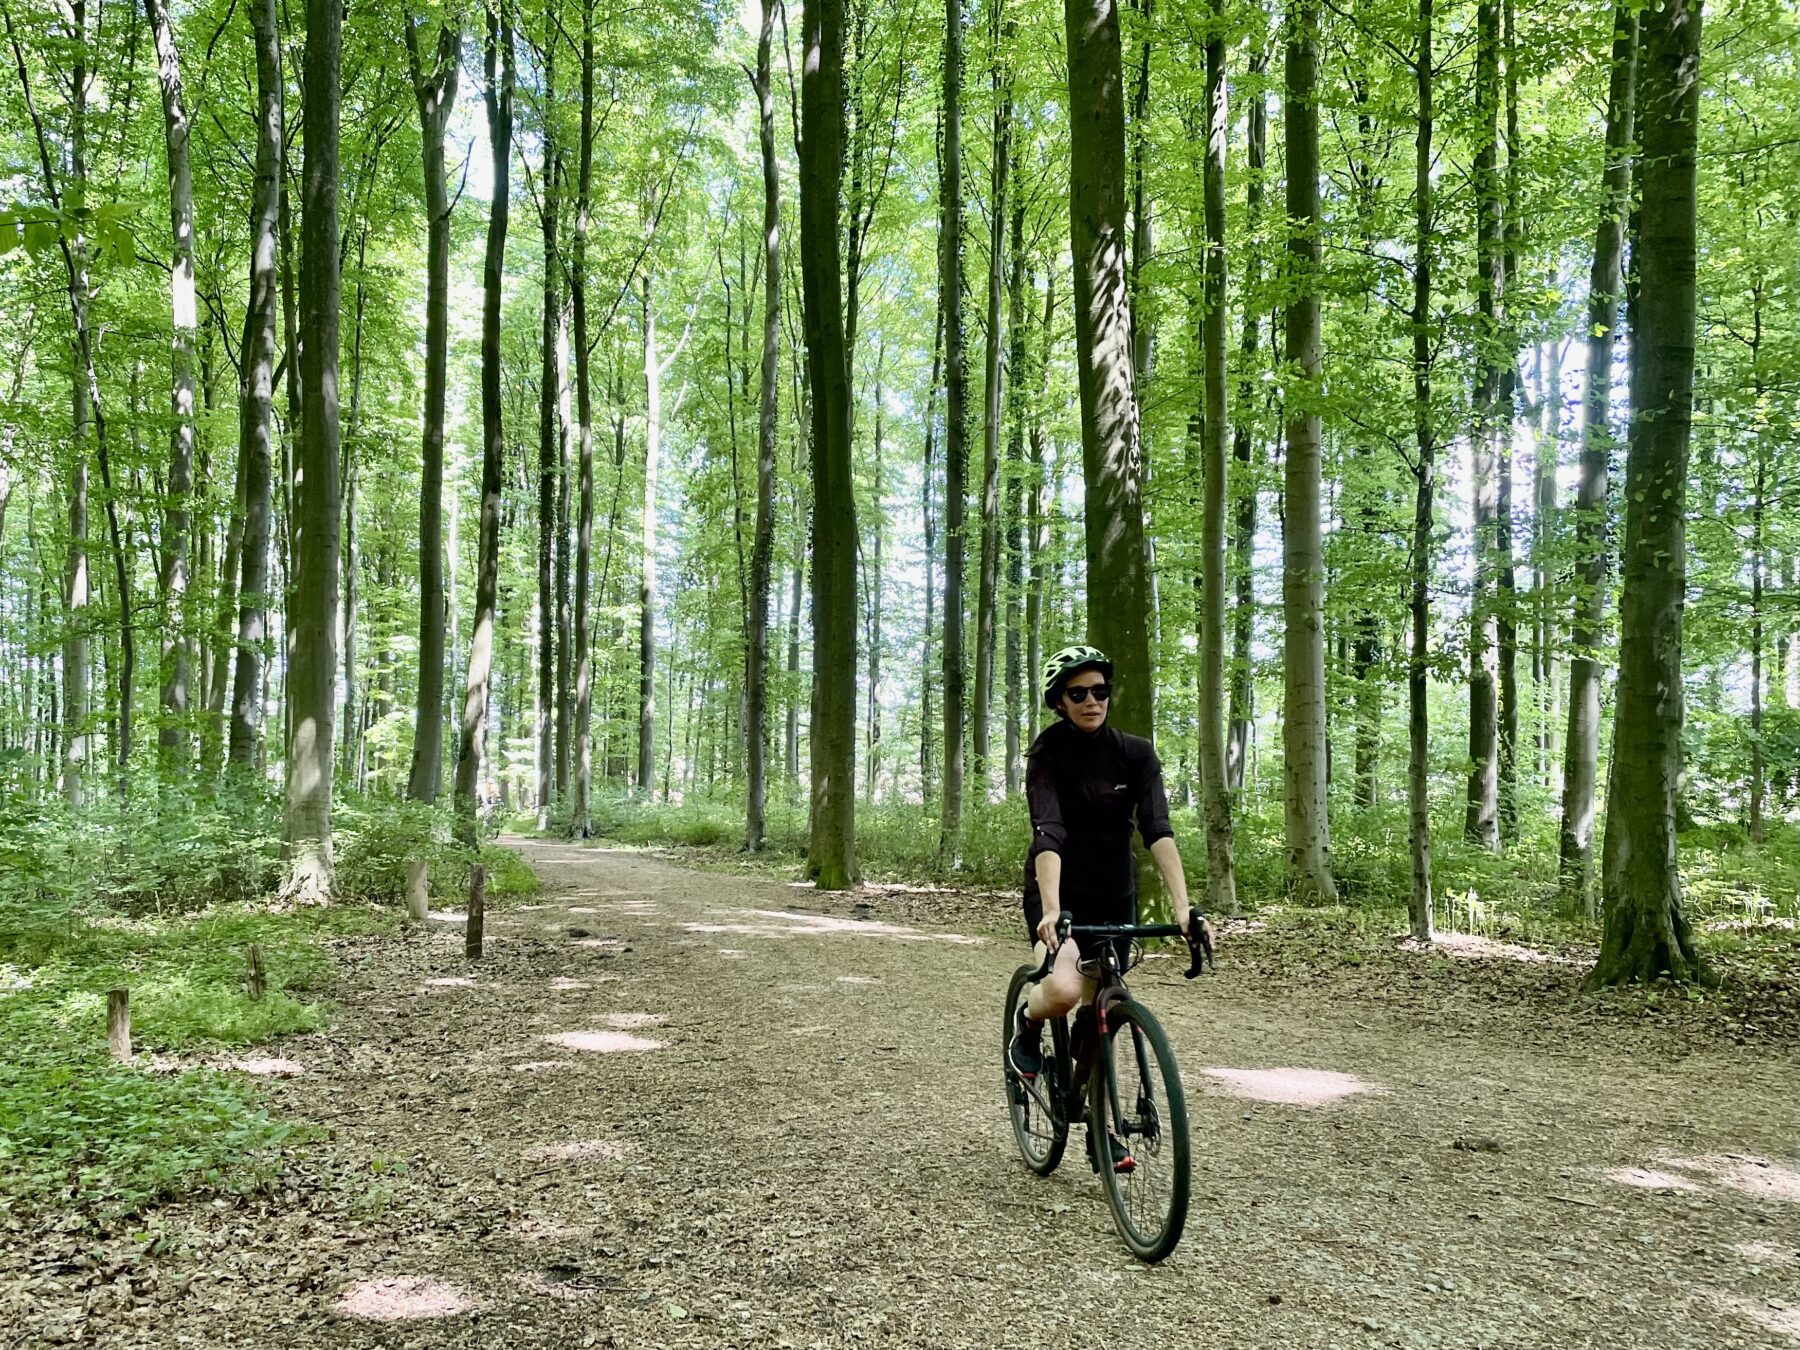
pixel 674 1108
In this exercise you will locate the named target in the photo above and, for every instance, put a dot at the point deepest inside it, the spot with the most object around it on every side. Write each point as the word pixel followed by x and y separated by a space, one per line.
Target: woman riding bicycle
pixel 1084 782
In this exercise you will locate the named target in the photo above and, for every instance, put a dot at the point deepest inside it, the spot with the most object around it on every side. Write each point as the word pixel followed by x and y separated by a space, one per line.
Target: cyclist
pixel 1084 782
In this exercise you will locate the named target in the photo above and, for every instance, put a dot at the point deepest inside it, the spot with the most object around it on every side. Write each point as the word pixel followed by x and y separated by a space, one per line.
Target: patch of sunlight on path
pixel 405 1298
pixel 1290 1087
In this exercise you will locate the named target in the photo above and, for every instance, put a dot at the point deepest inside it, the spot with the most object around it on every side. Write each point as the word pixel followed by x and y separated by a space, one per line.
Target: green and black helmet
pixel 1065 663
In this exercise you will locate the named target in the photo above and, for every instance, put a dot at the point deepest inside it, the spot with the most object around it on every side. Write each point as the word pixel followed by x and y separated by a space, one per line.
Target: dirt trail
pixel 674 1108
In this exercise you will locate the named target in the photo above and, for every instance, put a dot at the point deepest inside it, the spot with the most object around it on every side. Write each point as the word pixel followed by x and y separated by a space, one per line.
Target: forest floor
pixel 680 1108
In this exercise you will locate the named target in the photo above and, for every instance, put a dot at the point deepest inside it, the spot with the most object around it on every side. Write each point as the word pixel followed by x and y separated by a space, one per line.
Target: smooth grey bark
pixel 1118 589
pixel 928 518
pixel 762 548
pixel 1646 934
pixel 1037 515
pixel 1506 414
pixel 313 613
pixel 1308 828
pixel 1221 868
pixel 1424 470
pixel 1581 750
pixel 435 93
pixel 956 431
pixel 831 853
pixel 256 406
pixel 171 733
pixel 497 94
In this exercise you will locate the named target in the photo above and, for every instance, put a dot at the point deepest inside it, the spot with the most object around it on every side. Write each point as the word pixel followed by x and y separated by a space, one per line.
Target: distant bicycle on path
pixel 1114 1071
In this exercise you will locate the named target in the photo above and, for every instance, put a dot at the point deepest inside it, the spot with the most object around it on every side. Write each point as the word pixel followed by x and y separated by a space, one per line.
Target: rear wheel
pixel 1135 1096
pixel 1039 1128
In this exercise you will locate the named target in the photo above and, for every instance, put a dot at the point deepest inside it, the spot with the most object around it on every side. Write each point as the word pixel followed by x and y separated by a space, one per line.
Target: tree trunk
pixel 1302 578
pixel 831 856
pixel 312 635
pixel 1646 934
pixel 956 443
pixel 1547 461
pixel 872 579
pixel 1758 544
pixel 929 526
pixel 435 94
pixel 762 550
pixel 171 734
pixel 1221 869
pixel 1118 601
pixel 1581 753
pixel 257 398
pixel 1019 322
pixel 988 584
pixel 647 574
pixel 1037 514
pixel 1505 421
pixel 1243 451
pixel 581 820
pixel 1418 668
pixel 1481 821
pixel 549 692
pixel 498 96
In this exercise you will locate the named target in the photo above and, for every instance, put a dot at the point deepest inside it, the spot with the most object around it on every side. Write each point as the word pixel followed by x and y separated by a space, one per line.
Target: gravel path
pixel 684 1109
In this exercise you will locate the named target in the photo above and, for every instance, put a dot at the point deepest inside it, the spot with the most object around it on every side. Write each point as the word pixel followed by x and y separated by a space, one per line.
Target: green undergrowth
pixel 1737 894
pixel 165 897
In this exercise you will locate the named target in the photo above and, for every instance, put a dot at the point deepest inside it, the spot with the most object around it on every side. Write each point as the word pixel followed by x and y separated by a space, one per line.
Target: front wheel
pixel 1040 1127
pixel 1135 1096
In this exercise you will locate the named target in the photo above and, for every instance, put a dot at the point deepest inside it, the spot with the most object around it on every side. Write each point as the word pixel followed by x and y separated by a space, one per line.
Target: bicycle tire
pixel 1040 1130
pixel 1154 1125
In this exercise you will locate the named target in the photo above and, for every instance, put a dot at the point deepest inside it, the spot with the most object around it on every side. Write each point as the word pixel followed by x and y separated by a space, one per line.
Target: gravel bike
pixel 1114 1071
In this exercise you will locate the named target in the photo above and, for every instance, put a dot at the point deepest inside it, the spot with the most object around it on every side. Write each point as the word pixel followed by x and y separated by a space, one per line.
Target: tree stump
pixel 259 980
pixel 477 910
pixel 418 887
pixel 118 1023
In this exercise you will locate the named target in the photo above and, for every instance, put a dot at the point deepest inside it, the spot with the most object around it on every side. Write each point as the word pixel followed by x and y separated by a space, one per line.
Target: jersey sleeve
pixel 1153 800
pixel 1047 830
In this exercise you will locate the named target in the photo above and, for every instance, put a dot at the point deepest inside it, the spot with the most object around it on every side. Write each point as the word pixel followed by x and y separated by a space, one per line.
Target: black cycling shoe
pixel 1118 1154
pixel 1026 1051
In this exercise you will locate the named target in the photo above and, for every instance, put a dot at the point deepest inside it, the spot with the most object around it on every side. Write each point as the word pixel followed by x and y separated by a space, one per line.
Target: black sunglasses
pixel 1079 693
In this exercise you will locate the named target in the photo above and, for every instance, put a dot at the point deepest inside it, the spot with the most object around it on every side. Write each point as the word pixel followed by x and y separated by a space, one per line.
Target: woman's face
pixel 1089 714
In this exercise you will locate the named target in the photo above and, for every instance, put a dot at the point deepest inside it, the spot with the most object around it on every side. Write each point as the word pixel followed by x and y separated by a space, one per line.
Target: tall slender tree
pixel 1646 932
pixel 1424 471
pixel 1118 600
pixel 831 853
pixel 987 594
pixel 1581 752
pixel 434 90
pixel 171 734
pixel 497 93
pixel 582 815
pixel 256 406
pixel 1303 571
pixel 956 428
pixel 313 614
pixel 1221 870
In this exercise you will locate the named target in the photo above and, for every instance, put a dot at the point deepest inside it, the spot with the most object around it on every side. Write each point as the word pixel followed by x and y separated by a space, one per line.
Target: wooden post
pixel 477 908
pixel 417 889
pixel 259 981
pixel 118 1023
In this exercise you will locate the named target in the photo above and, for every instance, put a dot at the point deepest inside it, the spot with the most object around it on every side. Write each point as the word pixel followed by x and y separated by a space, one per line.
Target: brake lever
pixel 1200 945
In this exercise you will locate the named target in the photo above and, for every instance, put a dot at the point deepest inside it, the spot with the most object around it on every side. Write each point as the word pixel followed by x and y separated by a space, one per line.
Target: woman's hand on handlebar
pixel 1046 931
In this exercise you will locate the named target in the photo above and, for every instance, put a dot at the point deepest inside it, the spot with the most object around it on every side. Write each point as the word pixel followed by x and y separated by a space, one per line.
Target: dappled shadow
pixel 1290 1087
pixel 603 1042
pixel 406 1298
